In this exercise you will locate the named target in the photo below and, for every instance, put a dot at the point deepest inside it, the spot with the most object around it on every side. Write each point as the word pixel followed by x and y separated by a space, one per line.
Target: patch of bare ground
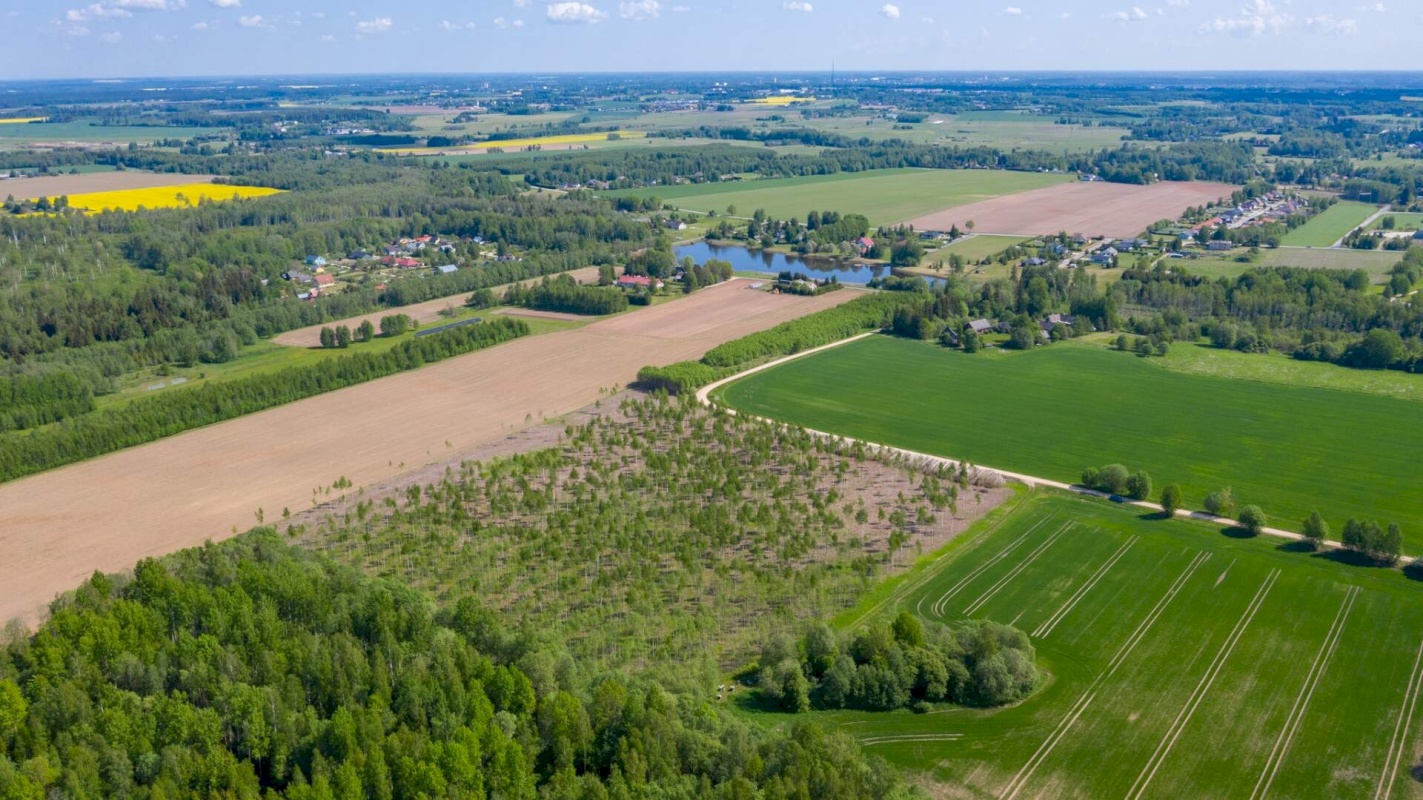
pixel 62 185
pixel 646 530
pixel 1092 208
pixel 57 527
pixel 428 311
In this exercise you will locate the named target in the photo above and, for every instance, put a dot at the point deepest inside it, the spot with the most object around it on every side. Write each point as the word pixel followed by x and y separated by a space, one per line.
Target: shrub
pixel 1221 503
pixel 1139 485
pixel 1171 499
pixel 1316 530
pixel 1252 519
pixel 1113 478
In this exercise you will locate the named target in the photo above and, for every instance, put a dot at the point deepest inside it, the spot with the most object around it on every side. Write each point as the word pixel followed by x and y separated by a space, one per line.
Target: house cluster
pixel 1271 207
pixel 639 283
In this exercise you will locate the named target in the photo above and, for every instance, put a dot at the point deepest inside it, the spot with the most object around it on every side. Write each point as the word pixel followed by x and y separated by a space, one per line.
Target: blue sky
pixel 119 38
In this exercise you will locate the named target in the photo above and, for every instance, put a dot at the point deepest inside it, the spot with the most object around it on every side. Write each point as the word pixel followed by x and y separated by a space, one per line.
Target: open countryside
pixel 885 196
pixel 562 141
pixel 1157 634
pixel 1330 226
pixel 1281 447
pixel 199 485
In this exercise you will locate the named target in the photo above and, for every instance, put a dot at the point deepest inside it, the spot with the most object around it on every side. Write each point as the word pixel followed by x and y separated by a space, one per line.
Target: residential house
pixel 1104 256
pixel 639 282
pixel 674 225
pixel 980 326
pixel 315 261
pixel 1034 262
pixel 865 244
pixel 323 280
pixel 358 255
pixel 1218 245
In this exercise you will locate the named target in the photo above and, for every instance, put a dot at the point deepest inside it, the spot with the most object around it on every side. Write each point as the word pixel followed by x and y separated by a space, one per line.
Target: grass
pixel 511 144
pixel 1328 227
pixel 1406 221
pixel 1190 690
pixel 82 131
pixel 181 196
pixel 1055 410
pixel 1376 262
pixel 976 248
pixel 885 196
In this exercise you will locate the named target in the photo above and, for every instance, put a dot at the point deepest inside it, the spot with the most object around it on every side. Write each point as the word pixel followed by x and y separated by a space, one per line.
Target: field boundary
pixel 928 459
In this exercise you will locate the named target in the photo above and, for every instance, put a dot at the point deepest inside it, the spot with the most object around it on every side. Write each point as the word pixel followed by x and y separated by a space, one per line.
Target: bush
pixel 1113 478
pixel 1252 519
pixel 1316 530
pixel 1139 485
pixel 1221 503
pixel 684 376
pixel 1171 499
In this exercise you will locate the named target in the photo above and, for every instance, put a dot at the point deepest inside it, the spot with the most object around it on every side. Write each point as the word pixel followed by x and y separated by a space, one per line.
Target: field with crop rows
pixel 182 196
pixel 1055 410
pixel 1183 662
pixel 885 196
pixel 513 144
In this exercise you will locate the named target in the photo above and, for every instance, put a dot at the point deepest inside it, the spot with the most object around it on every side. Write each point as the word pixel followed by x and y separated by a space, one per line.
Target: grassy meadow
pixel 1056 410
pixel 1183 662
pixel 1330 226
pixel 25 133
pixel 1375 262
pixel 514 144
pixel 885 196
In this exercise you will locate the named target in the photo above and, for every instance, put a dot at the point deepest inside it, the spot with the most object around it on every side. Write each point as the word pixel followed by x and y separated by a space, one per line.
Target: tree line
pixel 563 294
pixel 149 418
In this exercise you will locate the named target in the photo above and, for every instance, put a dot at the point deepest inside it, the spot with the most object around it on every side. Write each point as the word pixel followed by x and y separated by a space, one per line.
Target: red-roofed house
pixel 866 244
pixel 325 280
pixel 638 281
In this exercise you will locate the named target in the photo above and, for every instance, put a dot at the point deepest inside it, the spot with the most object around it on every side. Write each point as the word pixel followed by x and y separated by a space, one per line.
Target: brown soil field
pixel 533 314
pixel 428 311
pixel 1093 209
pixel 58 527
pixel 56 185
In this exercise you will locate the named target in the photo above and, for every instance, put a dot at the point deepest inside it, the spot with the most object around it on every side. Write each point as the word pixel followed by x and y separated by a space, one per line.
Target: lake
pixel 744 260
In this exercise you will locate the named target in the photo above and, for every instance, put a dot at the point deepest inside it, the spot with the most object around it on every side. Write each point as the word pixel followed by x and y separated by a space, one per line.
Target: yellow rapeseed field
pixel 782 100
pixel 19 120
pixel 182 196
pixel 515 144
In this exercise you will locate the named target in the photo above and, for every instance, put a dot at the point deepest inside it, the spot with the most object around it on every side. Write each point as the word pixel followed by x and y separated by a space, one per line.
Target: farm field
pixel 428 311
pixel 1200 359
pixel 1184 662
pixel 885 196
pixel 564 141
pixel 1404 221
pixel 1376 262
pixel 182 195
pixel 1328 227
pixel 81 132
pixel 207 483
pixel 1281 447
pixel 1092 208
pixel 110 181
pixel 978 247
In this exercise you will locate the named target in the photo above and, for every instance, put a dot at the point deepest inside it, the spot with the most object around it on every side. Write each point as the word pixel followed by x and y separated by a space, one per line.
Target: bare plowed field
pixel 428 311
pixel 1092 209
pixel 62 185
pixel 58 527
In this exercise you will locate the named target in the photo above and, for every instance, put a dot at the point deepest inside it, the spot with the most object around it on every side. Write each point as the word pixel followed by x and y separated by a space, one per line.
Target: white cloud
pixel 201 26
pixel 446 25
pixel 1133 14
pixel 150 5
pixel 112 37
pixel 1379 7
pixel 798 6
pixel 1178 2
pixel 574 13
pixel 1327 24
pixel 326 37
pixel 227 3
pixel 1013 11
pixel 370 26
pixel 1256 19
pixel 254 21
pixel 500 22
pixel 95 11
pixel 680 9
pixel 521 3
pixel 1065 15
pixel 639 9
pixel 890 11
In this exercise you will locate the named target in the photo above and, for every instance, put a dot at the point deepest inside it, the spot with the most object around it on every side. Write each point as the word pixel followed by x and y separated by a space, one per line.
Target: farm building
pixel 1218 245
pixel 980 326
pixel 446 269
pixel 638 282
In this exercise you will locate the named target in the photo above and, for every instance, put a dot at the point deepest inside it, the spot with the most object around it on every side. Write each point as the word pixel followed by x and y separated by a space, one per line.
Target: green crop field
pixel 28 133
pixel 1055 410
pixel 1330 226
pixel 1404 221
pixel 1376 262
pixel 975 248
pixel 1183 662
pixel 885 196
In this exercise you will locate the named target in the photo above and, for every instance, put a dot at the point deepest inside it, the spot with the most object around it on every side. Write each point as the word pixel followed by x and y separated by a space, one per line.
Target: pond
pixel 744 260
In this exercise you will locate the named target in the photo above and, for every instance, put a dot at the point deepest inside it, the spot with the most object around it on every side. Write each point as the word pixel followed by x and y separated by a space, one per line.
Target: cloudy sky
pixel 118 38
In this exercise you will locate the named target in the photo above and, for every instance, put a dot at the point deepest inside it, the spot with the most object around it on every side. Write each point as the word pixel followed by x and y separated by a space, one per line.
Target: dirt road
pixel 56 528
